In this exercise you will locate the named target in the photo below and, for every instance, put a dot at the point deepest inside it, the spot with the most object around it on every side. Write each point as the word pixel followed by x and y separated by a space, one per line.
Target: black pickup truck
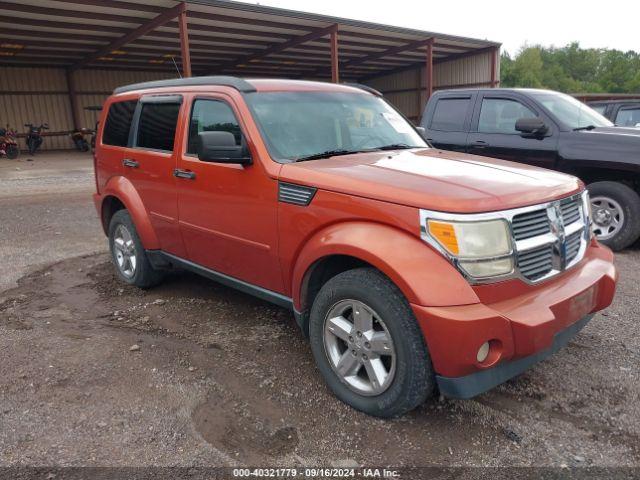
pixel 551 130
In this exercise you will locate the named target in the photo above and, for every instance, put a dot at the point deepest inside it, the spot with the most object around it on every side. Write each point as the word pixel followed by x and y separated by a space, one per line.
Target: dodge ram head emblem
pixel 557 229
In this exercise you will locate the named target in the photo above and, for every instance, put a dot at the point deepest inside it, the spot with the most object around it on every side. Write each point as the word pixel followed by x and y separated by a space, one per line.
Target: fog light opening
pixel 489 353
pixel 483 352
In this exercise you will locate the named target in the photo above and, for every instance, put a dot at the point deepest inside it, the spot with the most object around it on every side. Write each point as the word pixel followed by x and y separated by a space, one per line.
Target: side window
pixel 450 114
pixel 116 129
pixel 628 117
pixel 157 126
pixel 211 116
pixel 499 115
pixel 599 108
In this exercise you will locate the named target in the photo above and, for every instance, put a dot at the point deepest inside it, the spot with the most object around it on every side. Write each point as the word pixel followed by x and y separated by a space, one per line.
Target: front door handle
pixel 127 162
pixel 480 144
pixel 189 175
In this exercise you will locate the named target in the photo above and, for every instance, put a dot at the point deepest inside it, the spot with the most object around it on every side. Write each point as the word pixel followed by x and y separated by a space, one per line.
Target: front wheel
pixel 128 255
pixel 615 210
pixel 12 151
pixel 368 346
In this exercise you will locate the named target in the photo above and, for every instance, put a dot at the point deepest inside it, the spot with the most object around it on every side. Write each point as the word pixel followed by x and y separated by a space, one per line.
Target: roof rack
pixel 221 80
pixel 366 88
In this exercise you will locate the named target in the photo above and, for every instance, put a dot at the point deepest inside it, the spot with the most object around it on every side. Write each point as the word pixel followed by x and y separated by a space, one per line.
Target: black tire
pixel 144 275
pixel 629 201
pixel 31 147
pixel 414 379
pixel 12 152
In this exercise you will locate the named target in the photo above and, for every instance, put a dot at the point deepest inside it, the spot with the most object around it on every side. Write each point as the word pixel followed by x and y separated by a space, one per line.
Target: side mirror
pixel 422 131
pixel 220 147
pixel 531 127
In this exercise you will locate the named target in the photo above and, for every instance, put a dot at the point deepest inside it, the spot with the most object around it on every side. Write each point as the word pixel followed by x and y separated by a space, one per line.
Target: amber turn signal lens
pixel 445 234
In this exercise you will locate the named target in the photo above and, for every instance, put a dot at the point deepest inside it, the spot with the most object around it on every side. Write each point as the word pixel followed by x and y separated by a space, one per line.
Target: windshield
pixel 573 113
pixel 296 125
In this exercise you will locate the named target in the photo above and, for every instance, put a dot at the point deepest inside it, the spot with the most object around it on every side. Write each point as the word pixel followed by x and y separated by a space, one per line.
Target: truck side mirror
pixel 531 127
pixel 422 131
pixel 220 147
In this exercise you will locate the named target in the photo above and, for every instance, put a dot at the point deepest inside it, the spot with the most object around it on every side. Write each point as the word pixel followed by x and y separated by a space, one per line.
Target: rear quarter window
pixel 450 114
pixel 118 124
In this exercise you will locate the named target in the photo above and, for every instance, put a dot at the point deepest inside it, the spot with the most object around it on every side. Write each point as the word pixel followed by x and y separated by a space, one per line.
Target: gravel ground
pixel 192 373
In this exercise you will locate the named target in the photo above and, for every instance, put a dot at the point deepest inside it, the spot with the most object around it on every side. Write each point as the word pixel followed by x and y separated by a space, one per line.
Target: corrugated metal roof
pixel 224 37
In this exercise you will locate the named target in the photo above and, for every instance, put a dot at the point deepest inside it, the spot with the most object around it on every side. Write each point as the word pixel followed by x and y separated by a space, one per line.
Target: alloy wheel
pixel 359 347
pixel 125 251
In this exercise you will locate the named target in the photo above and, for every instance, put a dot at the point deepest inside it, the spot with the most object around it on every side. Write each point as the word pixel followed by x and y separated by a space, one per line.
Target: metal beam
pixel 73 98
pixel 137 7
pixel 184 43
pixel 158 21
pixel 280 47
pixel 335 67
pixel 429 70
pixel 494 67
pixel 389 52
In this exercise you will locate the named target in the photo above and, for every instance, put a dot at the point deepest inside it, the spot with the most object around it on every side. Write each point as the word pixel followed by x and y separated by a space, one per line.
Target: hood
pixel 434 179
pixel 615 146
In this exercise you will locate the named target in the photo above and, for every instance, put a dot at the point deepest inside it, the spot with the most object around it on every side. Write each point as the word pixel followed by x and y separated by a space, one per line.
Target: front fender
pixel 423 275
pixel 123 190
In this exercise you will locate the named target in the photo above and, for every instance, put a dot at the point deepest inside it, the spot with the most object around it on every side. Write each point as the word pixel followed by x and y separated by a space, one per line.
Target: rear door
pixel 149 163
pixel 228 212
pixel 493 131
pixel 447 119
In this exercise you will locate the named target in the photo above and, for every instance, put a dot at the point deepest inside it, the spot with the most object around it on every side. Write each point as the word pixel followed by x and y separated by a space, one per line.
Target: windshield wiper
pixel 588 127
pixel 395 146
pixel 327 154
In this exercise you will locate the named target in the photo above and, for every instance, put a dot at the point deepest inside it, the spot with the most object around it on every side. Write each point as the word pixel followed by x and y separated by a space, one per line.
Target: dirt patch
pixel 220 378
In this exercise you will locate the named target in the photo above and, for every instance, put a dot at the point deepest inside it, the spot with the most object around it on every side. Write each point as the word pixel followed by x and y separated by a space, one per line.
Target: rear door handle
pixel 127 162
pixel 189 175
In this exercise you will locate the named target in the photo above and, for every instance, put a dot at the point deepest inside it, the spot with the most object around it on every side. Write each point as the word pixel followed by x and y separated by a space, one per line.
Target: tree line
pixel 572 69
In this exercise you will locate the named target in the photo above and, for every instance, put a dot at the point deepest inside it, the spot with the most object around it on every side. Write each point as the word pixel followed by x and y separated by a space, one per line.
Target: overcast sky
pixel 610 24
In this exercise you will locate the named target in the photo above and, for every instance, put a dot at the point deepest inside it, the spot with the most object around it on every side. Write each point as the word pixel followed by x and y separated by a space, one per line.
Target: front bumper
pixel 476 383
pixel 523 324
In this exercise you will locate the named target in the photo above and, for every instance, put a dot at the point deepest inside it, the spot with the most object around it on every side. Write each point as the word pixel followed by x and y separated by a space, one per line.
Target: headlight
pixel 481 249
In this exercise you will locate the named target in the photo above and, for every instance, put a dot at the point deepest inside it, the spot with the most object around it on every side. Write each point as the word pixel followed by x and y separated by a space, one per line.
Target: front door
pixel 227 212
pixel 494 134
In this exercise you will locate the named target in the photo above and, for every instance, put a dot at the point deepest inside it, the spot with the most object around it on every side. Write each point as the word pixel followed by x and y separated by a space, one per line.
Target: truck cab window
pixel 157 126
pixel 499 115
pixel 628 117
pixel 450 114
pixel 211 116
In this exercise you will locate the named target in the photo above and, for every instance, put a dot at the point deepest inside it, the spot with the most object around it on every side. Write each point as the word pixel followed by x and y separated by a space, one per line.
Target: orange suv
pixel 410 269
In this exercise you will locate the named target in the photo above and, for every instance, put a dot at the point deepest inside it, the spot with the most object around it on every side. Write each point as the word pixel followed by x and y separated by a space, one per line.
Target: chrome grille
pixel 570 211
pixel 573 245
pixel 550 238
pixel 546 239
pixel 530 224
pixel 536 263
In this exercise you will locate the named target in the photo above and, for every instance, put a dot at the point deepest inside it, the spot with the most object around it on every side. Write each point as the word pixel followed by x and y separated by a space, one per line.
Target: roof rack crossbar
pixel 218 80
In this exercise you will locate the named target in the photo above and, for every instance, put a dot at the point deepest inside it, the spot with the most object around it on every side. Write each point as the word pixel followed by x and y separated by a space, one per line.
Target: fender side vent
pixel 295 194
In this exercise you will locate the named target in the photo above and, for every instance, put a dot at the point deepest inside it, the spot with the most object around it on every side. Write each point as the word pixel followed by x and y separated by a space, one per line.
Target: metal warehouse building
pixel 58 57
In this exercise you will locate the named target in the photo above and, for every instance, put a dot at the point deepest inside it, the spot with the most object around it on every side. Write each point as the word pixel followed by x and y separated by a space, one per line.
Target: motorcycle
pixel 8 143
pixel 77 136
pixel 34 136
